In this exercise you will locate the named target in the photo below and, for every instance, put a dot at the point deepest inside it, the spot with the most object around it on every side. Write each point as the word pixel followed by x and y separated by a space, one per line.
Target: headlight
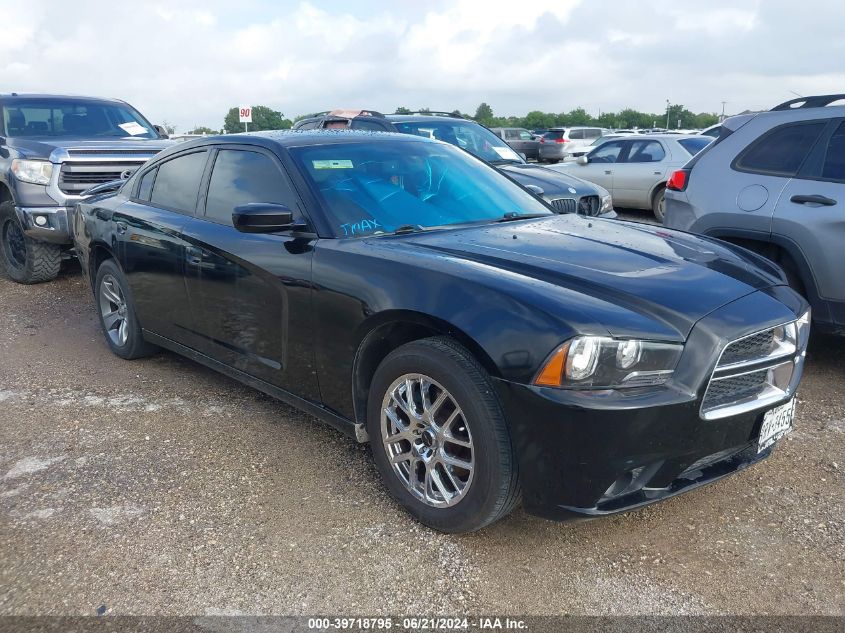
pixel 606 204
pixel 37 172
pixel 596 362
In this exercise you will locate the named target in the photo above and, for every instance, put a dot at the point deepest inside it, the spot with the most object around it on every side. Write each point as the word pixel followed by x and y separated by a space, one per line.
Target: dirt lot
pixel 158 486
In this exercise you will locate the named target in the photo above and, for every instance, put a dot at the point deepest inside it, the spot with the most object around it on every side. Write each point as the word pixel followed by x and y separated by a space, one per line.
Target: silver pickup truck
pixel 52 148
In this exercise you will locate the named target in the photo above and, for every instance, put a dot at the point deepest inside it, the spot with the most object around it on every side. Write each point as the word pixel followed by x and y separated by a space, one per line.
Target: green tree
pixel 484 114
pixel 263 118
pixel 402 110
pixel 202 130
pixel 169 127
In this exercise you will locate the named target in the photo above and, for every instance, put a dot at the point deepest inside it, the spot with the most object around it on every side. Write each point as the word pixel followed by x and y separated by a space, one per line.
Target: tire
pixel 470 430
pixel 27 261
pixel 658 204
pixel 117 314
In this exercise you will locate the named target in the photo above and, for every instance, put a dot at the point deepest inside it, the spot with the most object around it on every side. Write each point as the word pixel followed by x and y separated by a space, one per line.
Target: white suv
pixel 558 143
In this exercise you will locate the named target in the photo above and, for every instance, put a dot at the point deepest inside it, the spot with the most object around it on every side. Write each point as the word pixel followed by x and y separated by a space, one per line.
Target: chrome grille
pixel 564 205
pixel 755 371
pixel 750 348
pixel 733 388
pixel 589 205
pixel 76 177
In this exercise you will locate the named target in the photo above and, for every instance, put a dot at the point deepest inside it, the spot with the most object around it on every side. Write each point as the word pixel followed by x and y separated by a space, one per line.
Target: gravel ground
pixel 160 487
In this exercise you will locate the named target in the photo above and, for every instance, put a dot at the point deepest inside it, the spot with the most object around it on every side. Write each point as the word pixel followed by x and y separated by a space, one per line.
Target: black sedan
pixel 417 298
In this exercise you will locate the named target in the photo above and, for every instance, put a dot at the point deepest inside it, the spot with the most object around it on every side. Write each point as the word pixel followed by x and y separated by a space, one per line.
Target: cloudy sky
pixel 188 61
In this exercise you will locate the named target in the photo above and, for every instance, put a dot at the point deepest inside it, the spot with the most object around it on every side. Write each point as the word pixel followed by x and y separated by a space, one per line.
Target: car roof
pixel 300 138
pixel 421 118
pixel 54 97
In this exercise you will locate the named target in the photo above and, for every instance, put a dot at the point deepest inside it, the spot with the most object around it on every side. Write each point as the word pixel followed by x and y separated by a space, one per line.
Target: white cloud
pixel 189 62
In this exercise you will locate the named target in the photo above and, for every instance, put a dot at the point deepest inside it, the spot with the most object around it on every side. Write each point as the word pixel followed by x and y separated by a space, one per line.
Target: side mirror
pixel 161 131
pixel 537 191
pixel 263 217
pixel 582 160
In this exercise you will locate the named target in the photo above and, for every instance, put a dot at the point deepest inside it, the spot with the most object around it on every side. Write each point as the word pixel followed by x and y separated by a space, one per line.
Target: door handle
pixel 121 227
pixel 814 199
pixel 608 173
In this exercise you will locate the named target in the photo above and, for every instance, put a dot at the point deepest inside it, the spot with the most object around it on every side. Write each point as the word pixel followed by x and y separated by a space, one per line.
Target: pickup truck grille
pixel 563 205
pixel 76 177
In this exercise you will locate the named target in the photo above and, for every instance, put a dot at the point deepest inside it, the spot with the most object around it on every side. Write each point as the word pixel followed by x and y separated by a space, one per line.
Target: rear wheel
pixel 658 204
pixel 117 314
pixel 26 261
pixel 439 437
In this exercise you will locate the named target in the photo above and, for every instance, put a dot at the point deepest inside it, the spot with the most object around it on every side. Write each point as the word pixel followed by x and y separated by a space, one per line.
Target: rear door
pixel 251 293
pixel 643 164
pixel 151 249
pixel 810 215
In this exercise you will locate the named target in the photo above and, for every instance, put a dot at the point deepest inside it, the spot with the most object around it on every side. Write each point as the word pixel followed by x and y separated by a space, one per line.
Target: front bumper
pixel 575 448
pixel 584 454
pixel 46 224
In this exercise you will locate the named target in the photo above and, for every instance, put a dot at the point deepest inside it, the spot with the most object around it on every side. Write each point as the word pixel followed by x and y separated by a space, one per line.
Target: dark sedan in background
pixel 413 296
pixel 521 140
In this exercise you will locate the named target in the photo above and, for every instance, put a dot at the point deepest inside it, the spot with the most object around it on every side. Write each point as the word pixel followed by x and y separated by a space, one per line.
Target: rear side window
pixel 178 182
pixel 695 145
pixel 308 126
pixel 145 188
pixel 592 133
pixel 645 152
pixel 576 135
pixel 240 177
pixel 834 160
pixel 781 151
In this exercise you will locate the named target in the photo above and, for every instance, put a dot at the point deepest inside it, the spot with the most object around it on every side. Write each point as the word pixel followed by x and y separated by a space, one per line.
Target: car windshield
pixel 371 188
pixel 67 118
pixel 477 140
pixel 695 145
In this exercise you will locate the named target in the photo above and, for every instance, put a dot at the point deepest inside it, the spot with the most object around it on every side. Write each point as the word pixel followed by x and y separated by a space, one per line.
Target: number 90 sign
pixel 245 113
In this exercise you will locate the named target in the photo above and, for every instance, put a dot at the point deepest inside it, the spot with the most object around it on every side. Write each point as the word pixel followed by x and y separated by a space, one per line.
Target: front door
pixel 643 165
pixel 251 293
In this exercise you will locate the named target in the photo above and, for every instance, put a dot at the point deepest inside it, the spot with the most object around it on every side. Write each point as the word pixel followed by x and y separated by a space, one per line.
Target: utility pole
pixel 723 111
pixel 667 115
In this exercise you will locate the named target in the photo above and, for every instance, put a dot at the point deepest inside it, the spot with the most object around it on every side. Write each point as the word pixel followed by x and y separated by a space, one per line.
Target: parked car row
pixel 426 291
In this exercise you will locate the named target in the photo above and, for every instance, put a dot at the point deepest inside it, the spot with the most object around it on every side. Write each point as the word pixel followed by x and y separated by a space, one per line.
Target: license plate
pixel 776 424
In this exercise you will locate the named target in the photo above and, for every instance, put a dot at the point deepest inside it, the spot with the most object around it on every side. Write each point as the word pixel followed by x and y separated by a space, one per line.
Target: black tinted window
pixel 782 151
pixel 553 135
pixel 576 135
pixel 178 182
pixel 240 177
pixel 145 188
pixel 308 126
pixel 834 162
pixel 367 124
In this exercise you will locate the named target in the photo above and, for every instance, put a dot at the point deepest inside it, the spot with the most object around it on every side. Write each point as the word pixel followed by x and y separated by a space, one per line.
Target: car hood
pixel 664 281
pixel 553 184
pixel 43 148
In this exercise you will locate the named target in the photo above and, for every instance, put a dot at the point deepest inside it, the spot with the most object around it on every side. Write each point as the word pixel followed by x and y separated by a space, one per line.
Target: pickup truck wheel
pixel 117 314
pixel 439 437
pixel 27 261
pixel 658 204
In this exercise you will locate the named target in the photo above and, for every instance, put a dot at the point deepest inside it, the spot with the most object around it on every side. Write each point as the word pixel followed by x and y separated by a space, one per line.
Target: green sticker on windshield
pixel 332 164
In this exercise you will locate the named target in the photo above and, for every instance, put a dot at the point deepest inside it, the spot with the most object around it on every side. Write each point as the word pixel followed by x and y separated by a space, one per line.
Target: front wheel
pixel 658 205
pixel 26 261
pixel 117 314
pixel 439 437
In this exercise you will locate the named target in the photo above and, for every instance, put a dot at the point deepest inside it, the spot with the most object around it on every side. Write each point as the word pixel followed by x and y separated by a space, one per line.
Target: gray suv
pixel 774 182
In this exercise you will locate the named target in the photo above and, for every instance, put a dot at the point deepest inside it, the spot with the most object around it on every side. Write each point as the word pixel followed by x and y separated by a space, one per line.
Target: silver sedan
pixel 635 168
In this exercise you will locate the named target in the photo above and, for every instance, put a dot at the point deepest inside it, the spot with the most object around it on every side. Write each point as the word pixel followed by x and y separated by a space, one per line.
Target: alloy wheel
pixel 114 311
pixel 427 440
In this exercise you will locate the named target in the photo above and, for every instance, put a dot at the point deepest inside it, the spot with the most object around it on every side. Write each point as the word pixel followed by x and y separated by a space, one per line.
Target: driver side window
pixel 607 153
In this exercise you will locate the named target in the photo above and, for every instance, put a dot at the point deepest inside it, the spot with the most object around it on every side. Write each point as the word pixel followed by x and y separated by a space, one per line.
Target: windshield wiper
pixel 407 228
pixel 513 215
